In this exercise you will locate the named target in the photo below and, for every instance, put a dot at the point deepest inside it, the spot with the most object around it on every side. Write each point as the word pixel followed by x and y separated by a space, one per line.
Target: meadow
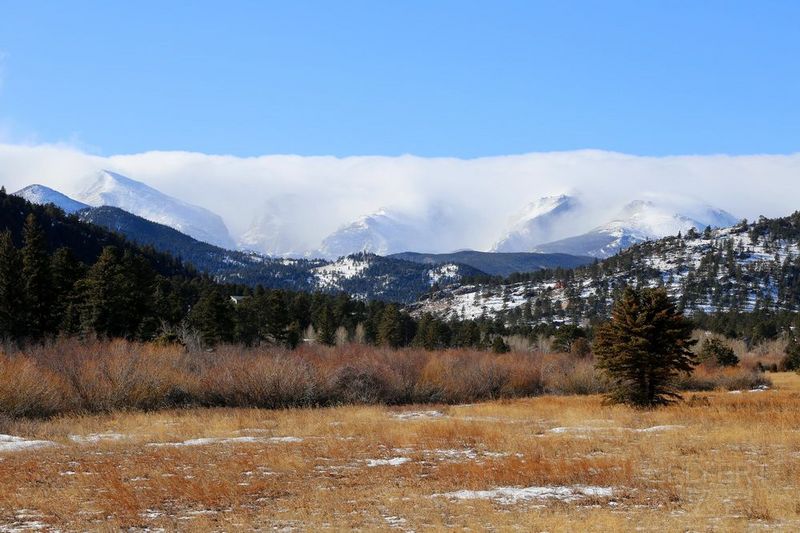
pixel 722 460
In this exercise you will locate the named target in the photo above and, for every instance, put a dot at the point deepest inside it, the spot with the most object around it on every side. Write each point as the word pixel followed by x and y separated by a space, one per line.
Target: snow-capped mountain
pixel 640 220
pixel 140 199
pixel 381 233
pixel 538 223
pixel 39 194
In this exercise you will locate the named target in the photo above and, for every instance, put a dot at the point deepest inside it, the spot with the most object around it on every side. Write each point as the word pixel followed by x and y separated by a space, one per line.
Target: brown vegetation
pixel 73 377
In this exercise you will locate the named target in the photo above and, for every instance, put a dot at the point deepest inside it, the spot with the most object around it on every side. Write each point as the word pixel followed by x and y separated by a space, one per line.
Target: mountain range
pixel 742 268
pixel 550 225
pixel 364 275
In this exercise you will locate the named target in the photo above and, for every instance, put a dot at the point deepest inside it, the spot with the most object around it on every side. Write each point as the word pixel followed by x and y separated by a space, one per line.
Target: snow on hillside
pixel 41 195
pixel 447 272
pixel 539 222
pixel 330 275
pixel 688 268
pixel 140 199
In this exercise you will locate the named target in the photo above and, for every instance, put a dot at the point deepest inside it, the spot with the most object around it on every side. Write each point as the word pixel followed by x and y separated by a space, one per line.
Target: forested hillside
pixel 62 276
pixel 737 274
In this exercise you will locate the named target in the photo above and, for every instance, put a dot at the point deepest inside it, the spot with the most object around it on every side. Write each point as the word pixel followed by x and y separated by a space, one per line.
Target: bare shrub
pixel 105 376
pixel 27 389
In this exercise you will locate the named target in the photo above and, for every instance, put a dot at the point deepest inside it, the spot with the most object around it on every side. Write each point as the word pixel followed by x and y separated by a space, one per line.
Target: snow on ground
pixel 588 429
pixel 10 443
pixel 394 461
pixel 205 441
pixel 96 437
pixel 417 415
pixel 24 520
pixel 510 495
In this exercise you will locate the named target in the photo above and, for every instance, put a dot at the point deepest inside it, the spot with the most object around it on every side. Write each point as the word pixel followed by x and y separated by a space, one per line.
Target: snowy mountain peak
pixel 538 222
pixel 39 194
pixel 638 221
pixel 136 197
pixel 382 232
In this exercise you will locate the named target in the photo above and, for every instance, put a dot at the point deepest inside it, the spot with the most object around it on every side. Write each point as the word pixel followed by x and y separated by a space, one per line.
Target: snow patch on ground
pixel 93 438
pixel 10 443
pixel 655 429
pixel 511 495
pixel 24 520
pixel 418 415
pixel 394 461
pixel 226 440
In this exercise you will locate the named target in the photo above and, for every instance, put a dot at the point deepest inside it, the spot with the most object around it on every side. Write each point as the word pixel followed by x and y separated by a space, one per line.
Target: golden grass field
pixel 717 462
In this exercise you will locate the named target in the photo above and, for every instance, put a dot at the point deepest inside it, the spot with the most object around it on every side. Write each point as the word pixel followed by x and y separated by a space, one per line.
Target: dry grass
pixel 717 462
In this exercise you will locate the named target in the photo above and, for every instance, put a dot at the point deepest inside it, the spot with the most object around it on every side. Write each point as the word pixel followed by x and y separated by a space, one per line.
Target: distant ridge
pixel 498 263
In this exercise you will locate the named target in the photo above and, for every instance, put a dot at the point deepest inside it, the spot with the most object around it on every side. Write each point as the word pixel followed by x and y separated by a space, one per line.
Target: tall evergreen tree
pixel 37 282
pixel 212 316
pixel 644 346
pixel 11 294
pixel 103 307
pixel 325 326
pixel 390 330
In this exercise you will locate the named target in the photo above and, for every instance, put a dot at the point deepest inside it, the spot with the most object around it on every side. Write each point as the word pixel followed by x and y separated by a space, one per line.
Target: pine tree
pixel 715 350
pixel 36 280
pixel 644 346
pixel 326 327
pixel 11 294
pixel 390 330
pixel 66 271
pixel 212 316
pixel 275 328
pixel 791 361
pixel 103 302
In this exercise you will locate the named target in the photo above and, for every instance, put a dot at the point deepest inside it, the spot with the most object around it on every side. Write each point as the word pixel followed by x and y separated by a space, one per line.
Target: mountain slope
pixel 639 221
pixel 41 195
pixel 497 264
pixel 737 269
pixel 381 233
pixel 537 223
pixel 86 241
pixel 140 199
pixel 364 275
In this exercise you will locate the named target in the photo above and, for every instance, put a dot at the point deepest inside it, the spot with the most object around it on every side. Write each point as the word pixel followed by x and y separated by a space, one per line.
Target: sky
pixel 440 78
pixel 305 115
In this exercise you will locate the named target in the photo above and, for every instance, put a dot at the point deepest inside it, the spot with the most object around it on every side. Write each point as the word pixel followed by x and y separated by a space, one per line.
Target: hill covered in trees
pixel 727 278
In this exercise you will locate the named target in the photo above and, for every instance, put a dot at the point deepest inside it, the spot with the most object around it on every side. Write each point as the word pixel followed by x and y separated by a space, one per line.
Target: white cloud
pixel 478 194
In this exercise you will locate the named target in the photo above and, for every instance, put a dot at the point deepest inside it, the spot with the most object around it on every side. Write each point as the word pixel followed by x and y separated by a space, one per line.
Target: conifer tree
pixel 326 327
pixel 37 282
pixel 11 295
pixel 212 316
pixel 103 308
pixel 715 350
pixel 644 346
pixel 390 330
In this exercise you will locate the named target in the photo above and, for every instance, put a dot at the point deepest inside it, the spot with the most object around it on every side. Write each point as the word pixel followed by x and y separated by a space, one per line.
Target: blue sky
pixel 431 78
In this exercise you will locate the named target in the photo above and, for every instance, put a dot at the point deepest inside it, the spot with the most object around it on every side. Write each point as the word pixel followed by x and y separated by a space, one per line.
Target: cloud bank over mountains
pixel 453 203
